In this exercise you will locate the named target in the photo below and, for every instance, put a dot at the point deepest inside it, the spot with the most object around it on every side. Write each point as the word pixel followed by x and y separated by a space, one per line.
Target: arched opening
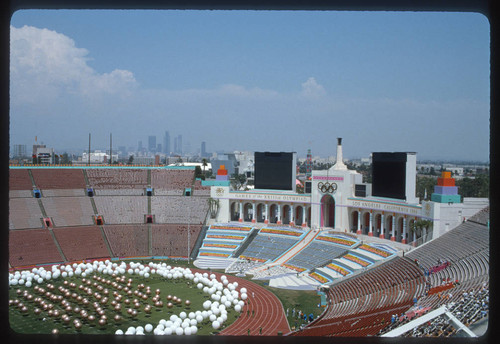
pixel 247 212
pixel 273 213
pixel 378 224
pixel 286 215
pixel 399 230
pixel 354 226
pixel 260 212
pixel 298 215
pixel 235 211
pixel 327 211
pixel 388 227
pixel 309 217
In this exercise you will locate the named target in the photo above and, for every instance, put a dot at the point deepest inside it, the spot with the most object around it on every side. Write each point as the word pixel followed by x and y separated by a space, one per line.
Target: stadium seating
pixel 82 242
pixel 171 181
pixel 19 179
pixel 172 239
pixel 122 209
pixel 114 179
pixel 367 300
pixel 69 211
pixel 127 240
pixel 58 178
pixel 179 209
pixel 24 213
pixel 32 246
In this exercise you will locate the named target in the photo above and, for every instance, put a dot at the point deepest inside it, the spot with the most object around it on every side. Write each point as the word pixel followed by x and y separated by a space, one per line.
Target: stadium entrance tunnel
pixel 327 211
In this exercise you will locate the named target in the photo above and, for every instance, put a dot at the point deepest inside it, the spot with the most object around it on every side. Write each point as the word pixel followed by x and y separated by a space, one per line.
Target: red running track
pixel 262 310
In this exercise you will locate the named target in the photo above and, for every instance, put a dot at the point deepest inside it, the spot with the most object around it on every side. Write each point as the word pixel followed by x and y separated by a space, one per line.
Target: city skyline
pixel 278 81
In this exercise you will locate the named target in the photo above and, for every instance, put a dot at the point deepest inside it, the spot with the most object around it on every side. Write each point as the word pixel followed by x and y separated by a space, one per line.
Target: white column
pixel 382 226
pixel 254 212
pixel 393 236
pixel 370 225
pixel 403 240
pixel 304 220
pixel 279 215
pixel 241 212
pixel 292 215
pixel 359 222
pixel 266 216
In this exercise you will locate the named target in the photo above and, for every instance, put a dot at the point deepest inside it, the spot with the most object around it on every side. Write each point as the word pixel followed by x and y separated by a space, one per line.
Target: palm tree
pixel 204 163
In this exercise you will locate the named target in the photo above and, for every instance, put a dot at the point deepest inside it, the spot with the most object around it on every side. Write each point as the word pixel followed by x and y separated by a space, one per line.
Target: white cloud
pixel 45 64
pixel 312 89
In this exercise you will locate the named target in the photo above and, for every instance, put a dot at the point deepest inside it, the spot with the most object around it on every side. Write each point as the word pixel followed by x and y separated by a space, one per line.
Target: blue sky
pixel 254 80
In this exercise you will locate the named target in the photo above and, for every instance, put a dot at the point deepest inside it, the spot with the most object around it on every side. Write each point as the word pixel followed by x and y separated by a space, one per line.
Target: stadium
pixel 362 248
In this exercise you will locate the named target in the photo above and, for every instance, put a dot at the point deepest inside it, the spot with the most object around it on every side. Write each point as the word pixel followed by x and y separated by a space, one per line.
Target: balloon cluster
pixel 222 295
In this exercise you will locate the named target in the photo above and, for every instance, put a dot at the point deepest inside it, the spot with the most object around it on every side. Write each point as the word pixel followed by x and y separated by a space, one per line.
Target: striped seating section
pixel 23 250
pixel 271 242
pixel 24 213
pixel 127 240
pixel 69 211
pixel 58 178
pixel 172 239
pixel 221 240
pixel 317 253
pixel 84 242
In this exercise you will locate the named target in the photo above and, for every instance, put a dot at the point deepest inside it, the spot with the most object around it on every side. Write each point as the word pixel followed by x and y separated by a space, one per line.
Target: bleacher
pixel 171 181
pixel 106 180
pixel 272 242
pixel 316 254
pixel 172 239
pixel 69 211
pixel 122 209
pixel 19 179
pixel 58 178
pixel 179 209
pixel 82 242
pixel 363 304
pixel 32 246
pixel 222 240
pixel 24 213
pixel 466 249
pixel 127 240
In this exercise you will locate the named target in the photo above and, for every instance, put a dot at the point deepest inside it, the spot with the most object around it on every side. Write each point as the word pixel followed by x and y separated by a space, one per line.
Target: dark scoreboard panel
pixel 389 175
pixel 274 170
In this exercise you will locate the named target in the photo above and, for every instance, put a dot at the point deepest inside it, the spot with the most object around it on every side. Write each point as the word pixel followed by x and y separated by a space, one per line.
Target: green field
pixel 31 323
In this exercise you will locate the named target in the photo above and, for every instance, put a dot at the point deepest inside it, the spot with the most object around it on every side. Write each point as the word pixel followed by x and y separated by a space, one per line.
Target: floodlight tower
pixel 308 164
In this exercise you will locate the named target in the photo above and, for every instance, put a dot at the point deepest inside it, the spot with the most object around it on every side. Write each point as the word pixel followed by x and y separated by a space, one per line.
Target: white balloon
pixel 194 329
pixel 243 290
pixel 183 315
pixel 148 327
pixel 131 329
pixel 120 332
pixel 179 331
pixel 237 308
pixel 213 317
pixel 168 331
pixel 215 325
pixel 187 331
